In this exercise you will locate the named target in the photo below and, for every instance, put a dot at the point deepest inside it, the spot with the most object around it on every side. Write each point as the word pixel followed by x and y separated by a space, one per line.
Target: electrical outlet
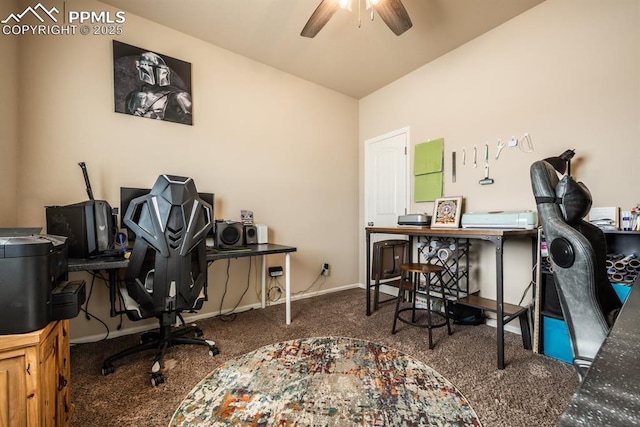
pixel 325 269
pixel 275 271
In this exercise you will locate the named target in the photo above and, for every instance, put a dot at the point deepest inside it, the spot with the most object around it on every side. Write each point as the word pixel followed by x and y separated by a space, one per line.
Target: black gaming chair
pixel 578 252
pixel 167 271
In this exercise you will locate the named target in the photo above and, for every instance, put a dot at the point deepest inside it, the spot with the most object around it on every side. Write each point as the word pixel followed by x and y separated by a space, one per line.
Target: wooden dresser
pixel 34 377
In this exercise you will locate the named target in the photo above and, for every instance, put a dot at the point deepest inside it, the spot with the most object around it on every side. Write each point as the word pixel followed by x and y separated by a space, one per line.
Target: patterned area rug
pixel 325 382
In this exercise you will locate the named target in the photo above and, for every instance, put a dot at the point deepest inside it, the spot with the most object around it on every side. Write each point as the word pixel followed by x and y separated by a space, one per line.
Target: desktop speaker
pixel 250 235
pixel 229 234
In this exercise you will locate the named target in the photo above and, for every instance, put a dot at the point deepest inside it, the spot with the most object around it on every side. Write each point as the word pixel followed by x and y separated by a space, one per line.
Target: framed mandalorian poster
pixel 151 85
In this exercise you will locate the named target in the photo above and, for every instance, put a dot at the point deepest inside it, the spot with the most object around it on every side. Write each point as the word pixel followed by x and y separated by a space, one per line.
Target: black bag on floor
pixel 465 315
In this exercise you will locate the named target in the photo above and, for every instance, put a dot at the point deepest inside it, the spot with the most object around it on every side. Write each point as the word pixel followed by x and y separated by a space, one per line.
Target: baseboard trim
pixel 200 316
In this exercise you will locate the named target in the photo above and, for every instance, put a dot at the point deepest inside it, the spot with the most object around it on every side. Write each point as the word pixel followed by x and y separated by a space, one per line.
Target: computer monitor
pixel 127 194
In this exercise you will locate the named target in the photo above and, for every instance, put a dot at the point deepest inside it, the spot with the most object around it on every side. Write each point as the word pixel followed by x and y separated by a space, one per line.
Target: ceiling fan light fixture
pixel 392 12
pixel 345 4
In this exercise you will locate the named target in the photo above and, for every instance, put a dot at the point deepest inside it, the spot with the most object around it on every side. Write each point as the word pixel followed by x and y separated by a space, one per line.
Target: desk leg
pixel 367 247
pixel 500 301
pixel 113 284
pixel 287 286
pixel 263 281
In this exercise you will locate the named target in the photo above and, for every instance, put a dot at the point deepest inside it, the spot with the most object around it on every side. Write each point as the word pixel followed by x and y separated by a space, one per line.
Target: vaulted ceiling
pixel 351 54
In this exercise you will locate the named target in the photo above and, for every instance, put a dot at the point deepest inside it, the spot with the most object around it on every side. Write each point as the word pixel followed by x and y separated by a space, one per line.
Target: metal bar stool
pixel 410 283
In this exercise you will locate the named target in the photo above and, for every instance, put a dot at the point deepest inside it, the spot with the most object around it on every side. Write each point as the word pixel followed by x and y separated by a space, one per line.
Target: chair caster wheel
pixel 198 333
pixel 108 369
pixel 213 351
pixel 145 338
pixel 156 379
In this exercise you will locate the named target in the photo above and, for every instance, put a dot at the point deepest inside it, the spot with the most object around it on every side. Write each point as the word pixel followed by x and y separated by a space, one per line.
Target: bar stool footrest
pixel 423 311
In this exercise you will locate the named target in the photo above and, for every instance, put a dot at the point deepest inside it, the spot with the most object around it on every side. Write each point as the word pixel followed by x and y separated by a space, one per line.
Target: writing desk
pixel 114 264
pixel 505 312
pixel 609 394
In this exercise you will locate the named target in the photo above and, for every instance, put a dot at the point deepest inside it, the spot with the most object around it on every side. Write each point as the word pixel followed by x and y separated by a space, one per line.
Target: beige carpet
pixel 533 390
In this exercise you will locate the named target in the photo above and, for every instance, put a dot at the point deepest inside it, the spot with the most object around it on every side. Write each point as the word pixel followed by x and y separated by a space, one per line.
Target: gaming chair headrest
pixel 574 199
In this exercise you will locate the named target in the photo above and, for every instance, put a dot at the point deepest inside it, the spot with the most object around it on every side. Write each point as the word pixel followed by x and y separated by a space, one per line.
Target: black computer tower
pixel 88 226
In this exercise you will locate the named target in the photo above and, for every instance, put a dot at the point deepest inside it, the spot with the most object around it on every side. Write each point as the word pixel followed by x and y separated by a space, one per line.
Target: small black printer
pixel 33 283
pixel 417 219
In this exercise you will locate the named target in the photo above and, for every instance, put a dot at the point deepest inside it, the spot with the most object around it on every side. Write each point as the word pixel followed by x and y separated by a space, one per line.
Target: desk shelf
pixel 510 311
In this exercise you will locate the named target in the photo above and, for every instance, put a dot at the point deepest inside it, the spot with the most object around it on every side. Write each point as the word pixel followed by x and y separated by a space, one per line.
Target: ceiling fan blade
pixel 394 15
pixel 319 18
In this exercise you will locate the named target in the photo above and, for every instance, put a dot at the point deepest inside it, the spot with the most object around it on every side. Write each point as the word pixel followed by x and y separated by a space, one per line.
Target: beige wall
pixel 9 122
pixel 567 72
pixel 262 140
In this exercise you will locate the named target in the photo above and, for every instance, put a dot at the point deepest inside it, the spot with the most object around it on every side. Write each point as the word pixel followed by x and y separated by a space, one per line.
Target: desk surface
pixel 251 250
pixel 109 263
pixel 610 392
pixel 472 233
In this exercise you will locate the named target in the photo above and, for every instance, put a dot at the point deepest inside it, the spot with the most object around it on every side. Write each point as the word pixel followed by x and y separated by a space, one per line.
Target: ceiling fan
pixel 392 13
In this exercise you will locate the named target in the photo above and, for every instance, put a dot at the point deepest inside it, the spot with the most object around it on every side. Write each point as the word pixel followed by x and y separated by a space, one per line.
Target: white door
pixel 386 183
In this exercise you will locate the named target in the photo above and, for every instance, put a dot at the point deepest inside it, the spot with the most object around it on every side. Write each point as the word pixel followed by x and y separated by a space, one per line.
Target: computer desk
pixel 112 265
pixel 504 312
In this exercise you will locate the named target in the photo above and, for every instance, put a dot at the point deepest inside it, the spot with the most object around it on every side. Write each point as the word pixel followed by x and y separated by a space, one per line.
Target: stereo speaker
pixel 229 234
pixel 250 235
pixel 263 233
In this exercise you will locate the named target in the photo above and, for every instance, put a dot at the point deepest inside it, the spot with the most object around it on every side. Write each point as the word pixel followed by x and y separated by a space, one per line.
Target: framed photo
pixel 447 212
